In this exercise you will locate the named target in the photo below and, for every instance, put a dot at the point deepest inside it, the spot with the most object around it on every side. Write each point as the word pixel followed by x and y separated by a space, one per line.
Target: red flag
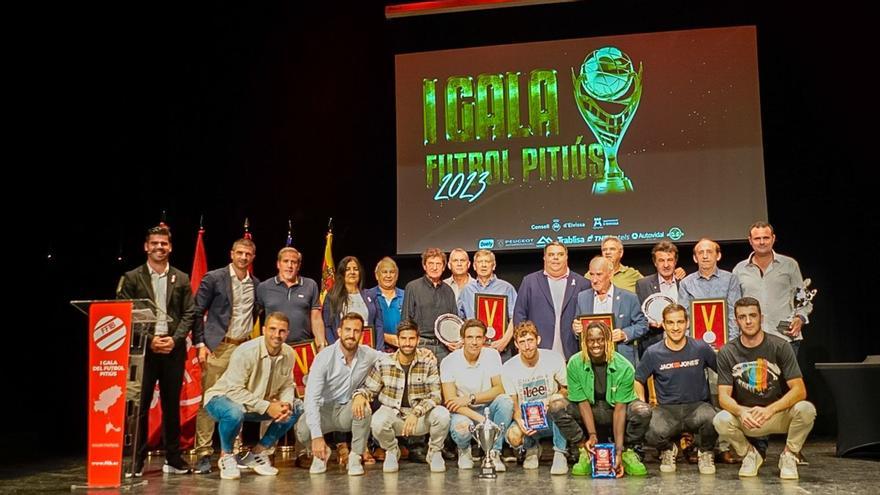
pixel 191 391
pixel 327 268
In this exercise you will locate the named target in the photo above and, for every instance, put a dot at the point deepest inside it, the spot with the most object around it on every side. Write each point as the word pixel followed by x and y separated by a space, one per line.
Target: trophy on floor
pixel 803 297
pixel 486 434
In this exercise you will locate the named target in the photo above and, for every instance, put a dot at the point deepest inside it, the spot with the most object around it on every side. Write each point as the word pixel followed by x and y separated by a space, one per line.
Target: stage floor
pixel 825 474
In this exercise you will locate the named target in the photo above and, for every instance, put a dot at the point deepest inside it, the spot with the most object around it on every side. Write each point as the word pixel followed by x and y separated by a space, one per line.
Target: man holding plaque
pixel 487 283
pixel 548 298
pixel 711 282
pixel 629 322
pixel 536 380
pixel 762 391
pixel 678 365
pixel 600 381
pixel 665 282
pixel 622 276
pixel 426 298
pixel 471 382
pixel 407 385
pixel 774 279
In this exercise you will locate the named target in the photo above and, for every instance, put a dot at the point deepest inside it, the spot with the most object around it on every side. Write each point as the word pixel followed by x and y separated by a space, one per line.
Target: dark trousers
pixel 167 369
pixel 669 421
pixel 570 423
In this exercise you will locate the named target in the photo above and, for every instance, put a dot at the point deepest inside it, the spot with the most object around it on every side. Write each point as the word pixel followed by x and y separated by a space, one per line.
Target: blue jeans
pixel 230 416
pixel 559 442
pixel 500 412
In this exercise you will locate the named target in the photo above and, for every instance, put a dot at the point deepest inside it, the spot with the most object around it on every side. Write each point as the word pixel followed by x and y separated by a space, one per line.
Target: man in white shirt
pixel 459 264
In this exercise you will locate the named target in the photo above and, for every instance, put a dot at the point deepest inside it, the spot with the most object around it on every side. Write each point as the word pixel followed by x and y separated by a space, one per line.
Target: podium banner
pixel 110 325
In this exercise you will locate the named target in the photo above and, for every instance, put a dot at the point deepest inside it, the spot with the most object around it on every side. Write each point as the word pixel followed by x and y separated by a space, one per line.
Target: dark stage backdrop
pixel 277 112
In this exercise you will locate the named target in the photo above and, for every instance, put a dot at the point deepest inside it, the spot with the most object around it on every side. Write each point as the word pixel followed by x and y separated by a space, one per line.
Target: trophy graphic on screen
pixel 607 79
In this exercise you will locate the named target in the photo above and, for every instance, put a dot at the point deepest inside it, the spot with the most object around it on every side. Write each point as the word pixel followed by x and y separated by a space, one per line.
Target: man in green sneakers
pixel 600 382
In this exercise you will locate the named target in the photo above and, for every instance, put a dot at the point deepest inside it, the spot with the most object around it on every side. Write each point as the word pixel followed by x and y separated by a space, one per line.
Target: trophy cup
pixel 486 434
pixel 607 76
pixel 803 297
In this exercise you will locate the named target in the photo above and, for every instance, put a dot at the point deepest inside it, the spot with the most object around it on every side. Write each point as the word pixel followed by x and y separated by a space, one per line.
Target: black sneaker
pixel 507 454
pixel 176 465
pixel 203 465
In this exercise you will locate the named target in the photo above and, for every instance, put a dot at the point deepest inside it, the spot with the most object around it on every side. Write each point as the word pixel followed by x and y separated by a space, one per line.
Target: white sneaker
pixel 355 468
pixel 260 463
pixel 560 464
pixel 495 457
pixel 533 457
pixel 706 462
pixel 228 467
pixel 390 464
pixel 751 462
pixel 667 459
pixel 318 466
pixel 435 460
pixel 788 466
pixel 465 459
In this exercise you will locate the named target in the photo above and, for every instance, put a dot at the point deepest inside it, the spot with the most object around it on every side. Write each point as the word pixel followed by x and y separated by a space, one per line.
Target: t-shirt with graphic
pixel 679 376
pixel 537 383
pixel 759 374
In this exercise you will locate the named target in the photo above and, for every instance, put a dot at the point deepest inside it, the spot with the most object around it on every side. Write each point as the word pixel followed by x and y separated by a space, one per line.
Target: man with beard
pixel 257 386
pixel 408 388
pixel 165 355
pixel 762 391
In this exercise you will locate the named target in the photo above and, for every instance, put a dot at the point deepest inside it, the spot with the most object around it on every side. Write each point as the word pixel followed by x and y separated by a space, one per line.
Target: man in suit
pixel 227 295
pixel 665 281
pixel 629 322
pixel 169 289
pixel 547 298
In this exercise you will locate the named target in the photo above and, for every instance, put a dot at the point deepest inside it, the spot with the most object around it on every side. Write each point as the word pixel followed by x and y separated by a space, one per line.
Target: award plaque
pixel 447 328
pixel 368 337
pixel 491 309
pixel 709 321
pixel 654 305
pixel 603 460
pixel 607 318
pixel 535 415
pixel 304 354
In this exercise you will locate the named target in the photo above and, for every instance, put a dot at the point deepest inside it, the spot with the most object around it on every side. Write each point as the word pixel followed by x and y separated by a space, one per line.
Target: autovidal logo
pixel 543 241
pixel 675 233
pixel 486 243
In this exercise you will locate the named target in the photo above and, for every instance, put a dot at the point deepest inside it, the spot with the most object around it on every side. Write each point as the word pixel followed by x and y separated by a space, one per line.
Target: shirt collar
pixel 154 272
pixel 247 276
pixel 752 255
pixel 278 280
pixel 551 277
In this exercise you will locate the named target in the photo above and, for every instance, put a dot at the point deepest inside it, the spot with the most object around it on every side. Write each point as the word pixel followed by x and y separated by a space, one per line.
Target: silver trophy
pixel 803 297
pixel 486 434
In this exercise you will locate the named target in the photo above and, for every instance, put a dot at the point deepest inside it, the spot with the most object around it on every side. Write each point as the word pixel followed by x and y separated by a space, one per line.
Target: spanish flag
pixel 327 267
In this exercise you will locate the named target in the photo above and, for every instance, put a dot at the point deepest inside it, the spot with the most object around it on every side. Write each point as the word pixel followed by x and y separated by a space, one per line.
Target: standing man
pixel 548 299
pixel 165 355
pixel 678 365
pixel 762 391
pixel 536 375
pixel 426 298
pixel 227 295
pixel 336 373
pixel 711 282
pixel 389 297
pixel 665 281
pixel 295 296
pixel 773 279
pixel 257 386
pixel 487 283
pixel 629 321
pixel 459 264
pixel 408 388
pixel 471 382
pixel 622 276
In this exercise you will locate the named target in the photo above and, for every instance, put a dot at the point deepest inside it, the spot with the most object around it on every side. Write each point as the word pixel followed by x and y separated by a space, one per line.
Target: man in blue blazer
pixel 228 296
pixel 547 299
pixel 629 321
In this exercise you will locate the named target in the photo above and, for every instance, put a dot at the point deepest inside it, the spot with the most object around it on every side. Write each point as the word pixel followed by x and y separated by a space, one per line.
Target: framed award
pixel 534 415
pixel 603 460
pixel 304 355
pixel 607 318
pixel 709 321
pixel 491 309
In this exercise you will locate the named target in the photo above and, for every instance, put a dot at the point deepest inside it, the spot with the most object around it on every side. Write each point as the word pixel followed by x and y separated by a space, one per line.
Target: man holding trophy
pixel 775 280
